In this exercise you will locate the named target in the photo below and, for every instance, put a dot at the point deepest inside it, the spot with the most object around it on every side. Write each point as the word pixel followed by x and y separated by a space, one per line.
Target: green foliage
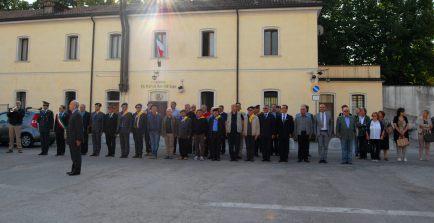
pixel 14 5
pixel 396 34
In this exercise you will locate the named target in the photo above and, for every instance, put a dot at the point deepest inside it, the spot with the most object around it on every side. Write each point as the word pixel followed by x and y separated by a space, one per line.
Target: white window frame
pixel 67 47
pixel 364 102
pixel 15 97
pixel 270 89
pixel 107 101
pixel 109 46
pixel 278 41
pixel 201 42
pixel 166 44
pixel 18 50
pixel 207 90
pixel 69 90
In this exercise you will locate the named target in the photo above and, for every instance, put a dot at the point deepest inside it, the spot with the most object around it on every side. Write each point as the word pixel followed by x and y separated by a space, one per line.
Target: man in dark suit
pixel 216 130
pixel 224 116
pixel 138 129
pixel 110 129
pixel 285 129
pixel 60 125
pixel 147 137
pixel 268 132
pixel 75 138
pixel 45 123
pixel 125 122
pixel 96 126
pixel 275 146
pixel 85 116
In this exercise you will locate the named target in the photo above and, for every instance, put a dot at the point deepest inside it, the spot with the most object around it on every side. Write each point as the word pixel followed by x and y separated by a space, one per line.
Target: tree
pixel 396 34
pixel 14 5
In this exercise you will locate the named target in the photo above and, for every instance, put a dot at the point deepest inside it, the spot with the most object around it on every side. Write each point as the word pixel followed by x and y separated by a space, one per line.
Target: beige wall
pixel 48 75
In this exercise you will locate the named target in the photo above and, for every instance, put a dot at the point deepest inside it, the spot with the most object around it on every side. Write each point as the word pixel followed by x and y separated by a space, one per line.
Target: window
pixel 271 97
pixel 72 48
pixel 21 96
pixel 70 96
pixel 115 46
pixel 160 45
pixel 208 44
pixel 23 49
pixel 271 42
pixel 207 98
pixel 357 101
pixel 113 98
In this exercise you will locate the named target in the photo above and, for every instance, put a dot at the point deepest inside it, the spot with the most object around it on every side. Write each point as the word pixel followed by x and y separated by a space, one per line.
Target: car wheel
pixel 26 140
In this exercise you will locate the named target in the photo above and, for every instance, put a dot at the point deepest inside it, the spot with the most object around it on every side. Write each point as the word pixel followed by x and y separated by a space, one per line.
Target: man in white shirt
pixel 324 131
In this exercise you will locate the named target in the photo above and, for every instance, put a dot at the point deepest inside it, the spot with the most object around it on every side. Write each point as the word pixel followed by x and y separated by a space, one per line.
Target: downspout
pixel 238 57
pixel 92 64
pixel 123 85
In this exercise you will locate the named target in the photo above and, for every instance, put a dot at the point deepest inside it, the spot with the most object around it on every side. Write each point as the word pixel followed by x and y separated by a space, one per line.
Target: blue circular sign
pixel 315 88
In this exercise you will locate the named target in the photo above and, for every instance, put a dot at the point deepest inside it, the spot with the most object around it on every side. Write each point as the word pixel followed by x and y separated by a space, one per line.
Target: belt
pixel 324 130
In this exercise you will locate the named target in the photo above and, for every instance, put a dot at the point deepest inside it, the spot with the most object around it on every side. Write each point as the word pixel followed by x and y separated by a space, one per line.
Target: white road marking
pixel 339 210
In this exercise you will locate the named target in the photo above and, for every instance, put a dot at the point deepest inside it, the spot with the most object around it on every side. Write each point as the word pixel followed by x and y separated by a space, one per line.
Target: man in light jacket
pixel 251 132
pixel 234 129
pixel 324 131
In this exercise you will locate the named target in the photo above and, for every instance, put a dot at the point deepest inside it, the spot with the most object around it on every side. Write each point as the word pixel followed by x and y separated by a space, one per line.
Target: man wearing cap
pixel 86 123
pixel 96 125
pixel 216 130
pixel 15 120
pixel 45 123
pixel 138 129
pixel 74 137
pixel 125 123
pixel 60 125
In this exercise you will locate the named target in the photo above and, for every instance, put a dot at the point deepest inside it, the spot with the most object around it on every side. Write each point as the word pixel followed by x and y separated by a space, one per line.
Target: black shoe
pixel 324 161
pixel 42 154
pixel 344 163
pixel 69 173
pixel 299 161
pixel 74 174
pixel 350 163
pixel 108 155
pixel 93 154
pixel 123 157
pixel 239 157
pixel 167 157
pixel 10 151
pixel 83 154
pixel 136 156
pixel 306 161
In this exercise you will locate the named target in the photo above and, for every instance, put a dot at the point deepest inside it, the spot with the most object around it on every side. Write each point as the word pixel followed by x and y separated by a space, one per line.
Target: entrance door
pixel 160 99
pixel 329 101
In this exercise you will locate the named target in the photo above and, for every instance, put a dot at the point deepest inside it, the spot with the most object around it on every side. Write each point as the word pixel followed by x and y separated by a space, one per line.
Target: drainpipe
pixel 238 57
pixel 123 85
pixel 92 64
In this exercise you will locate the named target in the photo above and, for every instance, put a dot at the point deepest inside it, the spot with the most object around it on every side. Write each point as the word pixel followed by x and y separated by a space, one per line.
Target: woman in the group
pixel 424 127
pixel 184 133
pixel 400 134
pixel 387 131
pixel 375 135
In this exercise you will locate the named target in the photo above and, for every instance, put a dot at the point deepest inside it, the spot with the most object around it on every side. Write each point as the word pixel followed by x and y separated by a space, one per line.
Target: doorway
pixel 159 99
pixel 329 101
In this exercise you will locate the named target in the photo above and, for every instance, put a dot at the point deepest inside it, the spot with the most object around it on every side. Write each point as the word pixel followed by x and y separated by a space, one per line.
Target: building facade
pixel 196 52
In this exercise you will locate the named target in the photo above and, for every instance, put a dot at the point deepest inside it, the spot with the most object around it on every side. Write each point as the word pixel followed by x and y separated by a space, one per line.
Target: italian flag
pixel 160 46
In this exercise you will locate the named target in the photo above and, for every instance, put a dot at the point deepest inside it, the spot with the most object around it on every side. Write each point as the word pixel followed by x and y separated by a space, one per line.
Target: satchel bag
pixel 402 142
pixel 429 137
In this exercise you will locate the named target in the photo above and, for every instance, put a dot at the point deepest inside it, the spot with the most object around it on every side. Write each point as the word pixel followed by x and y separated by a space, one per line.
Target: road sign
pixel 315 88
pixel 315 97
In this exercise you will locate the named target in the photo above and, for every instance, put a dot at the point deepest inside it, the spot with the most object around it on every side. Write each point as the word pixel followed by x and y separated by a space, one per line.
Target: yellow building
pixel 196 52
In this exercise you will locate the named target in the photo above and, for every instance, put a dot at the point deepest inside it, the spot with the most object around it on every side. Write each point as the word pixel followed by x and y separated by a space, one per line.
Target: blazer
pixel 319 122
pixel 199 126
pixel 309 122
pixel 110 125
pixel 75 131
pixel 256 129
pixel 362 127
pixel 46 121
pixel 64 119
pixel 240 120
pixel 344 132
pixel 268 125
pixel 285 128
pixel 184 128
pixel 221 126
pixel 142 123
pixel 175 122
pixel 86 121
pixel 125 123
pixel 97 122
